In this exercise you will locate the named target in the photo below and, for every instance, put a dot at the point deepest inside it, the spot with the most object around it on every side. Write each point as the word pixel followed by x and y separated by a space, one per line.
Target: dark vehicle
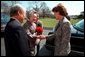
pixel 4 19
pixel 77 37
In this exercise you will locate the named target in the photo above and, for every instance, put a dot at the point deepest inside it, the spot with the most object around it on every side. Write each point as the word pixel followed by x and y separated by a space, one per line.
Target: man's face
pixel 34 18
pixel 22 16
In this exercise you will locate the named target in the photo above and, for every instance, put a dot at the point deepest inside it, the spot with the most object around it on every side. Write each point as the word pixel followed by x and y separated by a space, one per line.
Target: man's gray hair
pixel 17 7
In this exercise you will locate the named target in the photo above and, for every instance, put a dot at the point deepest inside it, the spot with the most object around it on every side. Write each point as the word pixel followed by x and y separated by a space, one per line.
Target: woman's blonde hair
pixel 30 13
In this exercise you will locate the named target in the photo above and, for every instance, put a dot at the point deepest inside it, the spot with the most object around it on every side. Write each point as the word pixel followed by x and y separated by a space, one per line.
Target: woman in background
pixel 34 27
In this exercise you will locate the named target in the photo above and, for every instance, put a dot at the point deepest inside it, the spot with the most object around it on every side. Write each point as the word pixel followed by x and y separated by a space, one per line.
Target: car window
pixel 80 26
pixel 4 18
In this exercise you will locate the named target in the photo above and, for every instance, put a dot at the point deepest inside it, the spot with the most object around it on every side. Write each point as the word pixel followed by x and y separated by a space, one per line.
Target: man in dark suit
pixel 16 40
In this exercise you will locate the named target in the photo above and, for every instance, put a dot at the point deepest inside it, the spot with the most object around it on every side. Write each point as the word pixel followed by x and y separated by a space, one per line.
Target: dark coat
pixel 16 40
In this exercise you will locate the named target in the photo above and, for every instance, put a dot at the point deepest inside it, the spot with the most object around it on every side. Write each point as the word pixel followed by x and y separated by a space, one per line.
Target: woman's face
pixel 57 15
pixel 33 18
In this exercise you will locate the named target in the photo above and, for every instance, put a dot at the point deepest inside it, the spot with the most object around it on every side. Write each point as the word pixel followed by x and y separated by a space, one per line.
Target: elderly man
pixel 16 39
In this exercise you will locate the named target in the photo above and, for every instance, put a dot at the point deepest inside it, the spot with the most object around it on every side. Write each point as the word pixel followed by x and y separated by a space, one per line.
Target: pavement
pixel 2 47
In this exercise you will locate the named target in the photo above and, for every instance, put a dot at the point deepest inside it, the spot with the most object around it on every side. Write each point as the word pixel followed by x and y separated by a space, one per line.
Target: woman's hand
pixel 41 36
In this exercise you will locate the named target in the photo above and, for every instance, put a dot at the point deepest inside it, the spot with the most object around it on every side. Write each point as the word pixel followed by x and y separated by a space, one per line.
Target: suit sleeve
pixel 23 42
pixel 51 37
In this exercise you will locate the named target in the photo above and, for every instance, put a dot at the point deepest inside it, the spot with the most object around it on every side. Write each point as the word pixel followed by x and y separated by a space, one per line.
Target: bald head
pixel 18 11
pixel 17 7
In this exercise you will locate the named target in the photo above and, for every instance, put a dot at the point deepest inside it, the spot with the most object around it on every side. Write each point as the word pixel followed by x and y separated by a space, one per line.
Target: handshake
pixel 38 38
pixel 41 36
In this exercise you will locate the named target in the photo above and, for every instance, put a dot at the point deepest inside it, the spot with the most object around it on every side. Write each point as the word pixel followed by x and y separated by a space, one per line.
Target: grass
pixel 73 21
pixel 48 22
pixel 51 22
